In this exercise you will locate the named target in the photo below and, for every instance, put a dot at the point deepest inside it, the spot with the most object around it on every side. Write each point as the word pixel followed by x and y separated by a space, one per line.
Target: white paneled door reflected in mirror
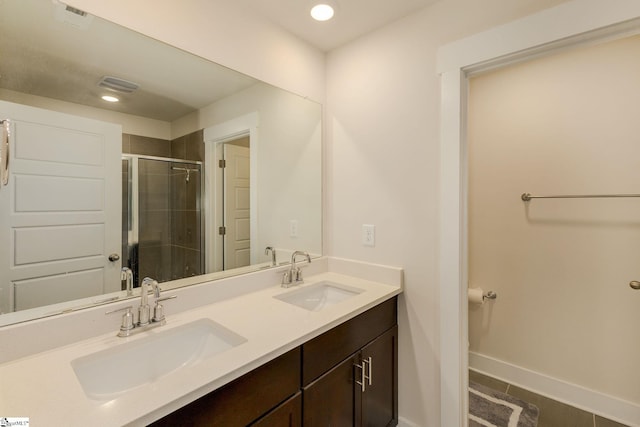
pixel 96 186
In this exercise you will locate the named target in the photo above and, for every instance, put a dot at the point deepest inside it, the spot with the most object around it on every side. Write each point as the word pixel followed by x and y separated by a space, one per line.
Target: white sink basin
pixel 108 373
pixel 319 295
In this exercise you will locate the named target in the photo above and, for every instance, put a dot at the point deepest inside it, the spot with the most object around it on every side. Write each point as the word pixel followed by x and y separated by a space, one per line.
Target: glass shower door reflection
pixel 154 220
pixel 186 220
pixel 164 223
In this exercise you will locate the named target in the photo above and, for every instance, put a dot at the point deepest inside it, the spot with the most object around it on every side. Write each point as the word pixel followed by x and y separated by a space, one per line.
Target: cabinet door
pixel 379 401
pixel 330 400
pixel 289 414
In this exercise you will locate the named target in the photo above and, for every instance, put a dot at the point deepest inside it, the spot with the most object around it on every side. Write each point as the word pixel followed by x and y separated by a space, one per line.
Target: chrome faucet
pixel 127 274
pixel 294 275
pixel 145 322
pixel 273 254
pixel 144 311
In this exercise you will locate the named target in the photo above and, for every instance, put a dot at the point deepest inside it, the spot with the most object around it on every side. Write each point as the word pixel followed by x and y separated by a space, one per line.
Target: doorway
pixel 567 24
pixel 235 187
pixel 564 127
pixel 231 150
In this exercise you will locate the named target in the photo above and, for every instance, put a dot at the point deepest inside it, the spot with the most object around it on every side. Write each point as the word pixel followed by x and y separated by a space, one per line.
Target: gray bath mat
pixel 491 408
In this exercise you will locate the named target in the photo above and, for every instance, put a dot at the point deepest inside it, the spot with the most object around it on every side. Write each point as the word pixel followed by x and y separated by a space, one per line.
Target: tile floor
pixel 552 413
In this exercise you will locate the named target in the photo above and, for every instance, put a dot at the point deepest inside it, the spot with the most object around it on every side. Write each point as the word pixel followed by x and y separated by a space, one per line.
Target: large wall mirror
pixel 197 172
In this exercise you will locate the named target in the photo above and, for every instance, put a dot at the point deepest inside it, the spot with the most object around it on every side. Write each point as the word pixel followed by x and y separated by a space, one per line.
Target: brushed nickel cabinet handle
pixel 362 383
pixel 366 375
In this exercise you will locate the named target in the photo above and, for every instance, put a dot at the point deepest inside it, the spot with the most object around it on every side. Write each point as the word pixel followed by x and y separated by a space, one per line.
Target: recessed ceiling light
pixel 322 12
pixel 110 98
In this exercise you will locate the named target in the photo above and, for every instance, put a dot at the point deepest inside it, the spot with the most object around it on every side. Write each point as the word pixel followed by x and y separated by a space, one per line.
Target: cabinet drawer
pixel 327 350
pixel 244 400
pixel 289 414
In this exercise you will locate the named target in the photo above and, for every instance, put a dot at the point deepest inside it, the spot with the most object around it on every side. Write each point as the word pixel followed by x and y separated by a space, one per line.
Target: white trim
pixel 368 271
pixel 605 405
pixel 453 331
pixel 563 25
pixel 403 422
pixel 549 27
pixel 214 136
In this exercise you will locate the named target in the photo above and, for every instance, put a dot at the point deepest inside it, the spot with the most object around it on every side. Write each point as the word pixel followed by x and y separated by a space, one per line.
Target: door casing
pixel 567 25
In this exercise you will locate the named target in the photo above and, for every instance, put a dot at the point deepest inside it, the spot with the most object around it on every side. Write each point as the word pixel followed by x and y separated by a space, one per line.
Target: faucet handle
pixel 127 321
pixel 158 310
pixel 286 279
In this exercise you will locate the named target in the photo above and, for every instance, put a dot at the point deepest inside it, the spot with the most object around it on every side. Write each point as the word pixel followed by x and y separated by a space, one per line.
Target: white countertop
pixel 44 387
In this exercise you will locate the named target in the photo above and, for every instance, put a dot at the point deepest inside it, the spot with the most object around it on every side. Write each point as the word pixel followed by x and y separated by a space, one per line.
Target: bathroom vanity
pixel 239 351
pixel 329 379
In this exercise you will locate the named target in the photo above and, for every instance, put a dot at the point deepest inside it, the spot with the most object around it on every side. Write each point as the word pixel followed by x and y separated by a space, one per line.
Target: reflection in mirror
pixel 161 207
pixel 188 178
pixel 235 188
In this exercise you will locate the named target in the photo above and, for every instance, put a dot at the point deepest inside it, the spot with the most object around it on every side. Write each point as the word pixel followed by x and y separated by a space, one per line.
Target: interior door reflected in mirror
pixel 236 219
pixel 161 206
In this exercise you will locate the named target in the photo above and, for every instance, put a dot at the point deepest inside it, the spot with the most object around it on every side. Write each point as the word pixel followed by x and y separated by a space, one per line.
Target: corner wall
pixel 382 121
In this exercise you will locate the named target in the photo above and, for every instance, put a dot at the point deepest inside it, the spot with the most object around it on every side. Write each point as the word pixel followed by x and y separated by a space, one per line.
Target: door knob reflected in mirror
pixel 114 257
pixel 634 284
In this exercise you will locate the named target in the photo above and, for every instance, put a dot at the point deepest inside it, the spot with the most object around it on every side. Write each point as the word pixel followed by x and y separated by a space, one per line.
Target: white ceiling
pixel 51 59
pixel 45 56
pixel 353 18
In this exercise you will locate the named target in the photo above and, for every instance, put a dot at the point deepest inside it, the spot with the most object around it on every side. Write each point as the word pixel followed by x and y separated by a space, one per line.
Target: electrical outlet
pixel 293 228
pixel 368 235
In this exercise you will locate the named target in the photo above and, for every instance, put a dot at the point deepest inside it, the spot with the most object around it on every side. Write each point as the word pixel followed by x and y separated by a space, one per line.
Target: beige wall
pixel 564 124
pixel 225 32
pixel 383 163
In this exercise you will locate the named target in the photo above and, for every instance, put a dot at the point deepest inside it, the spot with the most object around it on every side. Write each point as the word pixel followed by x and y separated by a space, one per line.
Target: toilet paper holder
pixel 479 296
pixel 490 295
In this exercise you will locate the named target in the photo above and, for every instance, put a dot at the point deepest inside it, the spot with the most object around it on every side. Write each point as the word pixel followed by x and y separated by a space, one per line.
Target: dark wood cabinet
pixel 327 350
pixel 244 400
pixel 360 391
pixel 288 414
pixel 330 400
pixel 347 376
pixel 379 400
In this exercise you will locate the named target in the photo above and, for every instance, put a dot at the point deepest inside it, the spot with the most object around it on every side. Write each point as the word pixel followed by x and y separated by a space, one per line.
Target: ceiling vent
pixel 118 85
pixel 78 12
pixel 70 15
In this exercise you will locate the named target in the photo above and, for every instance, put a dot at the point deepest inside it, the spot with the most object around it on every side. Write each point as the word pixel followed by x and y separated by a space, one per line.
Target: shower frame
pixel 132 203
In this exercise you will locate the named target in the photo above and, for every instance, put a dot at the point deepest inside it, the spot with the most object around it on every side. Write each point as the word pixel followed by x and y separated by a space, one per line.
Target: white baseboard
pixel 403 422
pixel 580 397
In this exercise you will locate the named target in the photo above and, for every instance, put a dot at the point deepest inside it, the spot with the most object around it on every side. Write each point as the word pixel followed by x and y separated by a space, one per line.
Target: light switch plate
pixel 368 234
pixel 293 228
